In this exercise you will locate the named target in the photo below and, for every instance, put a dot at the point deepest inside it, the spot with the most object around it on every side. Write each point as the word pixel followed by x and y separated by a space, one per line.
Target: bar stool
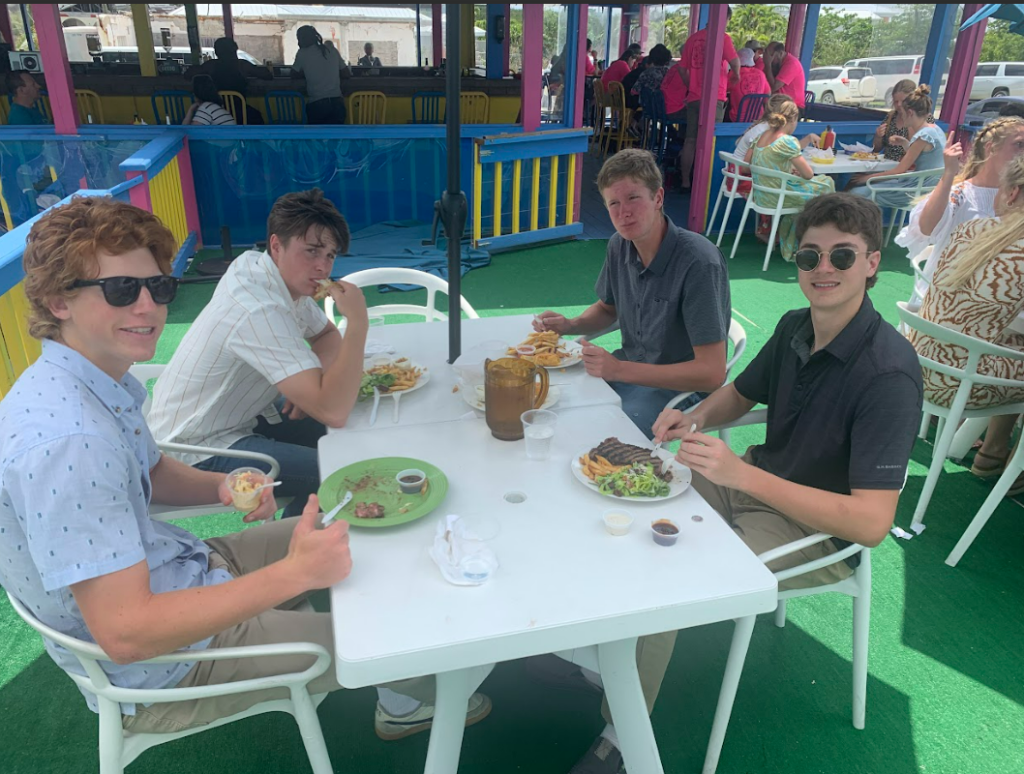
pixel 89 105
pixel 285 107
pixel 171 103
pixel 474 107
pixel 367 107
pixel 429 103
pixel 234 103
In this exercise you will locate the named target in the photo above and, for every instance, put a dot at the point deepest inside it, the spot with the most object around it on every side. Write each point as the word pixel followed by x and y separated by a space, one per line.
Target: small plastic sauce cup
pixel 242 482
pixel 411 480
pixel 617 522
pixel 665 532
pixel 526 350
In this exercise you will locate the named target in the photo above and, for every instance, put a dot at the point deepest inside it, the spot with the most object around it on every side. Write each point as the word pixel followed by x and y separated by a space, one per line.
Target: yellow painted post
pixel 21 309
pixel 553 192
pixel 497 198
pixel 144 39
pixel 535 196
pixel 517 179
pixel 570 191
pixel 478 192
pixel 467 33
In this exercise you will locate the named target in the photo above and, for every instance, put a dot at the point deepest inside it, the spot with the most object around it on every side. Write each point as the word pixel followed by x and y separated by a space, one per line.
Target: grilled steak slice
pixel 619 453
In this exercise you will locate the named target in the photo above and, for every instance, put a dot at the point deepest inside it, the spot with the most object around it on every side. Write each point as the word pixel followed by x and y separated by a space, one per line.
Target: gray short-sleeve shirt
pixel 666 309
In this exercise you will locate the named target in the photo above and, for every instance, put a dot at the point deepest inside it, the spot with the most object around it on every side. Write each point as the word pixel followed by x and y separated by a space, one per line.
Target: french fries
pixel 406 376
pixel 595 466
pixel 549 349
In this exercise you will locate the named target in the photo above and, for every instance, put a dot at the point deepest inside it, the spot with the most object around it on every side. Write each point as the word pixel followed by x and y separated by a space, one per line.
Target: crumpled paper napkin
pixel 464 559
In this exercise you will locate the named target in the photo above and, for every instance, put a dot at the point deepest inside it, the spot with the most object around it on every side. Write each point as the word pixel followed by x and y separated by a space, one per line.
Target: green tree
pixel 677 28
pixel 841 36
pixel 764 23
pixel 1001 45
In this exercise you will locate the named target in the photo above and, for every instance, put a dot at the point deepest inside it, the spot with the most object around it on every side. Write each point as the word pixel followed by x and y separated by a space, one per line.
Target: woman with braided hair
pixel 961 195
pixel 323 67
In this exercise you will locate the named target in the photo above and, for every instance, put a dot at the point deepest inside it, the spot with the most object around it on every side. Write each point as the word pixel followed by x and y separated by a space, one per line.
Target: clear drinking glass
pixel 539 429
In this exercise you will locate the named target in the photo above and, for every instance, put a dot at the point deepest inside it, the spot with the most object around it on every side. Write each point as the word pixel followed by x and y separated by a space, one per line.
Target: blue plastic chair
pixel 285 107
pixel 809 98
pixel 175 103
pixel 655 138
pixel 751 108
pixel 429 111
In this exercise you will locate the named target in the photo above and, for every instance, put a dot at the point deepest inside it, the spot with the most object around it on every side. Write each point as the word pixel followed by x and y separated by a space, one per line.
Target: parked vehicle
pixel 841 85
pixel 998 79
pixel 890 70
pixel 981 112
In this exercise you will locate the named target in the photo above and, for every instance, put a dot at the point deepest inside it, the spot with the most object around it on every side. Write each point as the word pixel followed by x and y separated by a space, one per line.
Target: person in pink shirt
pixel 751 81
pixel 785 74
pixel 758 49
pixel 619 69
pixel 691 70
pixel 589 61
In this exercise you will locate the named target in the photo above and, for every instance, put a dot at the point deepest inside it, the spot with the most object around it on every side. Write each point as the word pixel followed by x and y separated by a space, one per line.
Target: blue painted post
pixel 702 21
pixel 810 34
pixel 496 48
pixel 573 72
pixel 934 64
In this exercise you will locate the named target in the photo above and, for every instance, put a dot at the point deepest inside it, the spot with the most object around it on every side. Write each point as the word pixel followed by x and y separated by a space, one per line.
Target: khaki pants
pixel 761 528
pixel 239 554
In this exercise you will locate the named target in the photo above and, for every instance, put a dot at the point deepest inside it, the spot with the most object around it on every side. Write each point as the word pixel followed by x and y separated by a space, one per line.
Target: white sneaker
pixel 390 727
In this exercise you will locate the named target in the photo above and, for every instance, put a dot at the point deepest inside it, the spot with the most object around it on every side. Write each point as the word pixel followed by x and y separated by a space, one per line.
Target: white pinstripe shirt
pixel 251 336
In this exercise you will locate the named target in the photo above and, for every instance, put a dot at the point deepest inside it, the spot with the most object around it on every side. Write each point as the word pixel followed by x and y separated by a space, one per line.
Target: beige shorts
pixel 693 114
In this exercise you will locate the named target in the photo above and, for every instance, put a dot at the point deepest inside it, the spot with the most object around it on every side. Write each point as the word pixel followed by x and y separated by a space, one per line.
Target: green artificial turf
pixel 946 682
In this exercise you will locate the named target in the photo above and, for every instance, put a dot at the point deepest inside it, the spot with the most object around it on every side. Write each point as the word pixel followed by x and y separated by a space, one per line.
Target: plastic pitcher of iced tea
pixel 510 388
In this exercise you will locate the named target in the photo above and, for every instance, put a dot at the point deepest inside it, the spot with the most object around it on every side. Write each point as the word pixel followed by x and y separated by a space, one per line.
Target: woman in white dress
pixel 959 198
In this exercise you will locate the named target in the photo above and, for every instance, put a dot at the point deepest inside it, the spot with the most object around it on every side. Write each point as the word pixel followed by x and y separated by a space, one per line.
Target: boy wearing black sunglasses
pixel 844 393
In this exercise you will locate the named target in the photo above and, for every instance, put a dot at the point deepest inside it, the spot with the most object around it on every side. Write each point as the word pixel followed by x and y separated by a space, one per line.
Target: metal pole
pixel 453 208
pixel 419 37
pixel 28 26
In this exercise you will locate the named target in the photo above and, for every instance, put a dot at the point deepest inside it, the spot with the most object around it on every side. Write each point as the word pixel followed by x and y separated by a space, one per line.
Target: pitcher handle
pixel 542 396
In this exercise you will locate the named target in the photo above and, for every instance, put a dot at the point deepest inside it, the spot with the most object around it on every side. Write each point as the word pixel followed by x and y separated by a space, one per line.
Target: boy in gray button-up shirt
pixel 668 290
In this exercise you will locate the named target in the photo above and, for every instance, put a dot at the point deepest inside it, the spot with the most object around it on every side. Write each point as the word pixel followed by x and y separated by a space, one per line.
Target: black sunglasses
pixel 842 258
pixel 124 291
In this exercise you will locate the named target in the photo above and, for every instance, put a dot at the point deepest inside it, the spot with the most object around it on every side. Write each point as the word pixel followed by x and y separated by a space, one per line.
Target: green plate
pixel 374 481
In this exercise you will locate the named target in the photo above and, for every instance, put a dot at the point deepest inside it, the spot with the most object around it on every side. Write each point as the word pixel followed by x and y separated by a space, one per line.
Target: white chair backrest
pixel 923 182
pixel 732 176
pixel 390 276
pixel 976 349
pixel 918 262
pixel 787 186
pixel 738 339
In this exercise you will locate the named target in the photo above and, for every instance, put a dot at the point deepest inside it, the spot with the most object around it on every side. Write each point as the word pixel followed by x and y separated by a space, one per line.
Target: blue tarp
pixel 399 244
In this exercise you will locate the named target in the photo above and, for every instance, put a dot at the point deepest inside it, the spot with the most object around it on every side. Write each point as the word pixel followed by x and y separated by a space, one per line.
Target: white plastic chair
pixel 857 586
pixel 118 747
pixel 738 340
pixel 393 276
pixel 728 189
pixel 1014 467
pixel 776 210
pixel 923 182
pixel 147 372
pixel 968 376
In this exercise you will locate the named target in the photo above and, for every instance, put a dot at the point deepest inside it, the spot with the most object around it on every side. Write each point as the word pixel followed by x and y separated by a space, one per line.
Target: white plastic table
pixel 844 165
pixel 563 586
pixel 427 345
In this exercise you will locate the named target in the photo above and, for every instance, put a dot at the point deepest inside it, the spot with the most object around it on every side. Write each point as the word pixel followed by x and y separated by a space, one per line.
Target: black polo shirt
pixel 666 309
pixel 843 418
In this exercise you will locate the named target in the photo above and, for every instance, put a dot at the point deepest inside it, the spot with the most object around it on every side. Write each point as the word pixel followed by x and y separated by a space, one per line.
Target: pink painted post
pixel 508 27
pixel 229 23
pixel 581 70
pixel 188 191
pixel 694 18
pixel 645 17
pixel 533 64
pixel 435 32
pixel 139 195
pixel 5 25
pixel 624 29
pixel 54 55
pixel 706 125
pixel 795 31
pixel 961 69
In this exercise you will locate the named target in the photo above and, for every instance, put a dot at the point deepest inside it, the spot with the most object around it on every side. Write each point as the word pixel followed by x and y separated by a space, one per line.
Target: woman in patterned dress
pixel 961 195
pixel 895 124
pixel 778 149
pixel 978 290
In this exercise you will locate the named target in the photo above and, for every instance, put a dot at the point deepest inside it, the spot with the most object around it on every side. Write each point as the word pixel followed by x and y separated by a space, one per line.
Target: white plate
pixel 474 396
pixel 424 378
pixel 681 478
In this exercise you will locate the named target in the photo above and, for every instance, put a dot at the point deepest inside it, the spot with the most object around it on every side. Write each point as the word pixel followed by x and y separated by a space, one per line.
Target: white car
pixel 890 70
pixel 841 85
pixel 998 79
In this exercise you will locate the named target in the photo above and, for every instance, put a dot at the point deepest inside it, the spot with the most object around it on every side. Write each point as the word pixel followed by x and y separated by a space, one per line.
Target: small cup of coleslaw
pixel 244 484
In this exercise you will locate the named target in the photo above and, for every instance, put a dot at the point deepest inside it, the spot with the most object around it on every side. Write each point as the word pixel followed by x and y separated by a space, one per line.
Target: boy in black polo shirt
pixel 843 391
pixel 666 287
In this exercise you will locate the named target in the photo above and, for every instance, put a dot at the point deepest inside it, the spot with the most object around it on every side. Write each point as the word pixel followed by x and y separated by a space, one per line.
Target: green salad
pixel 375 380
pixel 638 480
